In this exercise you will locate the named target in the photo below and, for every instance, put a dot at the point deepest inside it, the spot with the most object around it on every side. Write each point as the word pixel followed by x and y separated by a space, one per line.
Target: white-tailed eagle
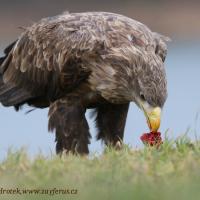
pixel 75 61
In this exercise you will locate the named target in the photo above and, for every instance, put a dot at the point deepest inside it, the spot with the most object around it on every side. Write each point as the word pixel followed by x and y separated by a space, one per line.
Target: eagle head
pixel 150 88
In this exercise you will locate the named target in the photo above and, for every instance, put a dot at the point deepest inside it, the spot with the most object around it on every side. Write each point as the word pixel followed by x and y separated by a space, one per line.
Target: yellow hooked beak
pixel 153 118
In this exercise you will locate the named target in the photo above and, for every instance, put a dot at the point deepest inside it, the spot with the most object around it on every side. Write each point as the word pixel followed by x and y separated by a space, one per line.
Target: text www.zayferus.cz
pixel 40 191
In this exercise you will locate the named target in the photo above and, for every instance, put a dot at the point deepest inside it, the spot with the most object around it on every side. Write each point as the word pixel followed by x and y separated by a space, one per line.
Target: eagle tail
pixel 10 95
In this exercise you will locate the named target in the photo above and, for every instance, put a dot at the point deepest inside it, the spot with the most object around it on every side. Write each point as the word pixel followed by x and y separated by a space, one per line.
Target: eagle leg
pixel 110 121
pixel 72 131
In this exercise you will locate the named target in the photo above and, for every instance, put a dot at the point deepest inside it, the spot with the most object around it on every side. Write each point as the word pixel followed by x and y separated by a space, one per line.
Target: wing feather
pixel 44 51
pixel 57 52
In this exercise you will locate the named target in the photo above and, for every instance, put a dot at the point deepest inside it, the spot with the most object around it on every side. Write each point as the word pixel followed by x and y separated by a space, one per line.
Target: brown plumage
pixel 76 61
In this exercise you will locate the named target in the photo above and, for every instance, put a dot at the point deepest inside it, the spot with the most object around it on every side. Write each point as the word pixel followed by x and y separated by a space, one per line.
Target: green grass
pixel 171 172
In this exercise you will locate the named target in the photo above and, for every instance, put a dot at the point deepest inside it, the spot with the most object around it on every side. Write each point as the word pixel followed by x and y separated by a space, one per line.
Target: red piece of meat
pixel 152 139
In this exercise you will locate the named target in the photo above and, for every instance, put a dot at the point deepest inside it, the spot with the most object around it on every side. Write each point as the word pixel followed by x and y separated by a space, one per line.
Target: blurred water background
pixel 178 20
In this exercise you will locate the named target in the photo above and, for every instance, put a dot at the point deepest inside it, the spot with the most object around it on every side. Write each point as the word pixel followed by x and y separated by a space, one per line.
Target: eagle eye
pixel 163 58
